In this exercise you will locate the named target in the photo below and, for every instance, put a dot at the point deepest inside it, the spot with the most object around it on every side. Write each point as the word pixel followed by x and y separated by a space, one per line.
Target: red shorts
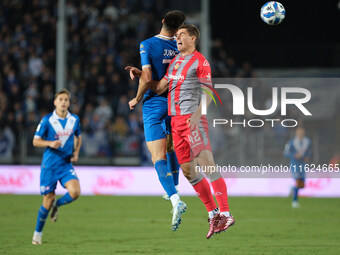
pixel 189 143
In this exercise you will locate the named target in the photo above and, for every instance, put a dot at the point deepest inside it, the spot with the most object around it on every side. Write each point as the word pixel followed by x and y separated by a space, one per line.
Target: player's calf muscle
pixel 169 144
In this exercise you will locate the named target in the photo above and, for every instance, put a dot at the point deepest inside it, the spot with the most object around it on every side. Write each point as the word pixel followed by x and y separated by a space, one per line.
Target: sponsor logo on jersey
pixel 176 77
pixel 169 53
pixel 66 132
pixel 206 63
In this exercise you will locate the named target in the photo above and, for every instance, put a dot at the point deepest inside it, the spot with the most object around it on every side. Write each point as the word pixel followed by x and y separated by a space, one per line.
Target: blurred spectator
pixel 7 142
pixel 123 106
pixel 104 111
pixel 103 37
pixel 35 65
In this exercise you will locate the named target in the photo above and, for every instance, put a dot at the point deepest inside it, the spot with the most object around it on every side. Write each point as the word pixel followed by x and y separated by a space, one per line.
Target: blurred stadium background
pixel 87 51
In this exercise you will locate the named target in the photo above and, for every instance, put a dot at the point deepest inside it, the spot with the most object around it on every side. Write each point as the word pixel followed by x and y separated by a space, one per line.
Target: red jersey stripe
pixel 180 82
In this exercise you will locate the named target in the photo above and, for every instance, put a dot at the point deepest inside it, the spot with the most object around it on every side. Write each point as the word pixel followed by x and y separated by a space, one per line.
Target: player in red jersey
pixel 186 74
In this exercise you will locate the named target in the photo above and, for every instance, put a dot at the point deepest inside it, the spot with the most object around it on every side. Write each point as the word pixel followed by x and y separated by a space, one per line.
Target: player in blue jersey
pixel 298 150
pixel 156 54
pixel 57 132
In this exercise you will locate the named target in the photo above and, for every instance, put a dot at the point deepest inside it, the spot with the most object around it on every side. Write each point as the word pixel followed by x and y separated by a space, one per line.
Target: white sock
pixel 227 214
pixel 174 199
pixel 213 212
pixel 37 233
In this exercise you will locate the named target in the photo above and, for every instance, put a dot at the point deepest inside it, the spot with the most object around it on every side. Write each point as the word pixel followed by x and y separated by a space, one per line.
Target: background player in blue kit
pixel 156 54
pixel 56 132
pixel 298 150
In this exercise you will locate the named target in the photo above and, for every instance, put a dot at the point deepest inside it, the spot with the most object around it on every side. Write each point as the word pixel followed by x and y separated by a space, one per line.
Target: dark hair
pixel 192 30
pixel 172 20
pixel 63 91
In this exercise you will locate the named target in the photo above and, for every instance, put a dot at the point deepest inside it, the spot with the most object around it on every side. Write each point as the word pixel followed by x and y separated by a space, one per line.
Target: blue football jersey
pixel 157 52
pixel 52 128
pixel 296 145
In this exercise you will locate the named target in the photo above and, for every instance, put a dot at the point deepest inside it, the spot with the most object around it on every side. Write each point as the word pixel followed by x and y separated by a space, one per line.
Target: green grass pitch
pixel 141 225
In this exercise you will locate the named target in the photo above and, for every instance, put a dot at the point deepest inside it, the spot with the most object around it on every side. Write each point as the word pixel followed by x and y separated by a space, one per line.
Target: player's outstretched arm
pixel 38 142
pixel 77 149
pixel 159 87
pixel 143 86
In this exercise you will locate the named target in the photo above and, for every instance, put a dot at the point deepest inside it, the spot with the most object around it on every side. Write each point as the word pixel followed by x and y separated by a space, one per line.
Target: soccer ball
pixel 273 13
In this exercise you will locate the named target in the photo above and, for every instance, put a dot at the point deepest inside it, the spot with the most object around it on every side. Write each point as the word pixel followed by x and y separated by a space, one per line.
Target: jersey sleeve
pixel 309 149
pixel 41 131
pixel 77 130
pixel 204 71
pixel 288 151
pixel 144 55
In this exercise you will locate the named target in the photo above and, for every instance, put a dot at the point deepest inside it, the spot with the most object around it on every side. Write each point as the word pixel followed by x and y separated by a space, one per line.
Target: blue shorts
pixel 49 177
pixel 157 123
pixel 298 172
pixel 299 176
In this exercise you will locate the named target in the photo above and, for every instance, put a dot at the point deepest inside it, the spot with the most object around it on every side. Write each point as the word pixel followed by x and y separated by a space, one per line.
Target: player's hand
pixel 55 144
pixel 75 157
pixel 194 121
pixel 298 155
pixel 132 103
pixel 134 72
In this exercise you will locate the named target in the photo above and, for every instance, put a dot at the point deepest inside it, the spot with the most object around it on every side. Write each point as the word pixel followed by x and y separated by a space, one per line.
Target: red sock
pixel 203 191
pixel 221 194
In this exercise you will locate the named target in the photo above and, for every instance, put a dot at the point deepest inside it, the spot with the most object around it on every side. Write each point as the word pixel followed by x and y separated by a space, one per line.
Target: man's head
pixel 300 132
pixel 62 100
pixel 187 37
pixel 172 20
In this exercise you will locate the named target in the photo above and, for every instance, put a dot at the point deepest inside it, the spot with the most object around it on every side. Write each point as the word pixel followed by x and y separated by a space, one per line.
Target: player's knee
pixel 157 157
pixel 186 171
pixel 187 175
pixel 301 185
pixel 48 200
pixel 74 192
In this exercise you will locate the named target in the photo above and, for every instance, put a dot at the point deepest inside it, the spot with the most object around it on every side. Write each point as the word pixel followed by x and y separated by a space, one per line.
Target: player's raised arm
pixel 159 87
pixel 143 86
pixel 145 75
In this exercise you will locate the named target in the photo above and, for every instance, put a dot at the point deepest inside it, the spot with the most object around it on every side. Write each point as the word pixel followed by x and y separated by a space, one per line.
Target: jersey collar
pixel 165 37
pixel 59 118
pixel 193 53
